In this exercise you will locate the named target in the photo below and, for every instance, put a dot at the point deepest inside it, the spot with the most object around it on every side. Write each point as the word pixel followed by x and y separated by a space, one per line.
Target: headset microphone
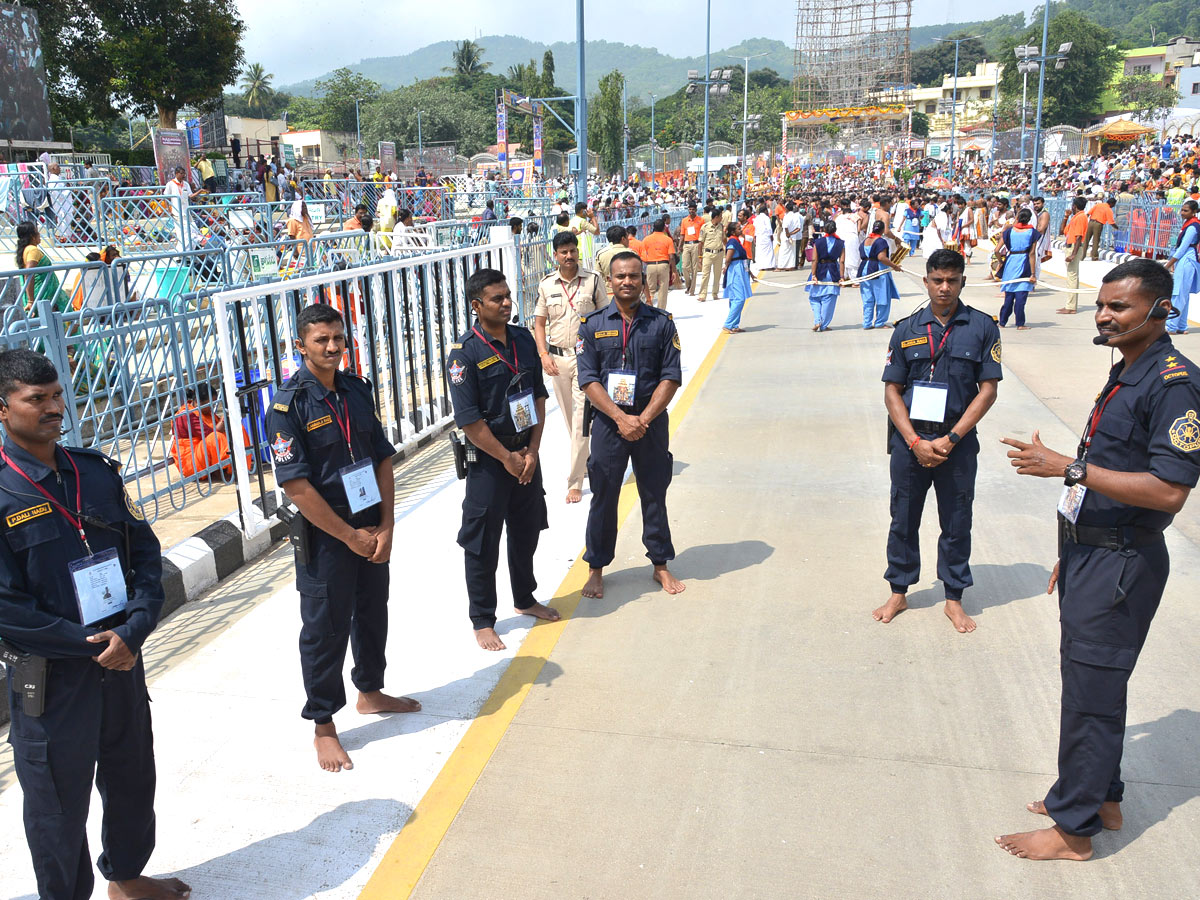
pixel 1157 311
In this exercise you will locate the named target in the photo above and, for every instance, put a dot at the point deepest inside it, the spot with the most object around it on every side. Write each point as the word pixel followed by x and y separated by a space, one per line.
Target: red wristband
pixel 915 441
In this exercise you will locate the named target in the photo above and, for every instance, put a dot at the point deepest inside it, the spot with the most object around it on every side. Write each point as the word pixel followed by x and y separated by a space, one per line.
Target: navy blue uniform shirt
pixel 307 440
pixel 652 349
pixel 481 376
pixel 971 354
pixel 1151 424
pixel 38 610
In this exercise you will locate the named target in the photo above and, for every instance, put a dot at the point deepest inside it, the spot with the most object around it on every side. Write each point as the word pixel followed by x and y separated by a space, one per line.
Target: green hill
pixel 646 69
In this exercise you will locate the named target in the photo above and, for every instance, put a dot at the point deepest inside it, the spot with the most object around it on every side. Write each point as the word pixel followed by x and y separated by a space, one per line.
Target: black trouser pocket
pixel 1095 677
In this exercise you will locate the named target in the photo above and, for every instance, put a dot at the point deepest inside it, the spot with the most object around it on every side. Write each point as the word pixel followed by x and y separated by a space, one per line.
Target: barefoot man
pixel 562 299
pixel 629 368
pixel 80 591
pixel 940 379
pixel 499 399
pixel 335 464
pixel 1132 472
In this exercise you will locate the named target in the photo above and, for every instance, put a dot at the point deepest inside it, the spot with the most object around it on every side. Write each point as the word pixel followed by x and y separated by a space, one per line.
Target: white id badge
pixel 929 401
pixel 522 409
pixel 99 586
pixel 1071 501
pixel 622 386
pixel 362 490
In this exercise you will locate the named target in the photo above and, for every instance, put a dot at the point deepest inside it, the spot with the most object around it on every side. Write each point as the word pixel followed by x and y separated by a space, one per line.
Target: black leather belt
pixel 1119 537
pixel 513 441
pixel 658 262
pixel 559 351
pixel 939 429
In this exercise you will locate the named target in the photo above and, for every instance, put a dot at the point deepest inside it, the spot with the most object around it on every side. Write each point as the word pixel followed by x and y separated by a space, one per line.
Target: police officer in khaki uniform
pixel 712 254
pixel 618 240
pixel 562 299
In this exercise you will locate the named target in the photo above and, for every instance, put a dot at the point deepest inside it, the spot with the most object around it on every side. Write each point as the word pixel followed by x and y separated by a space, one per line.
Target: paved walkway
pixel 758 736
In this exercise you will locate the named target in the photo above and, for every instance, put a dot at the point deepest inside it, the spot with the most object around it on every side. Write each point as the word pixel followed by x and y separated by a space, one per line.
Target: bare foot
pixel 541 611
pixel 895 605
pixel 963 623
pixel 595 584
pixel 669 582
pixel 574 495
pixel 330 755
pixel 1065 312
pixel 488 639
pixel 377 703
pixel 1110 813
pixel 1047 843
pixel 144 888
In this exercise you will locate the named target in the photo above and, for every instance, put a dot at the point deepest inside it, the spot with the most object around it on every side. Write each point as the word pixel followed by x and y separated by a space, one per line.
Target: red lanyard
pixel 343 427
pixel 933 354
pixel 75 520
pixel 1094 421
pixel 577 280
pixel 626 327
pixel 514 366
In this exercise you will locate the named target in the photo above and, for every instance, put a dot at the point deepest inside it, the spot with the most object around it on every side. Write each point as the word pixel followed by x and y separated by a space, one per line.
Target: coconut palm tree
pixel 256 86
pixel 468 60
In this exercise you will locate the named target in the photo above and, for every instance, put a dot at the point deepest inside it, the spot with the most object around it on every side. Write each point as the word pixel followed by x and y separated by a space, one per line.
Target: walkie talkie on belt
pixel 30 674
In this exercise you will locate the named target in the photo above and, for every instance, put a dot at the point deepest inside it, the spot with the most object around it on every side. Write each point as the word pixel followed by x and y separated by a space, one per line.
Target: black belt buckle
pixel 557 351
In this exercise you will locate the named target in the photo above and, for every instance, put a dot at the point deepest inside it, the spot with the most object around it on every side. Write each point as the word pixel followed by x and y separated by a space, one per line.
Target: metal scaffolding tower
pixel 852 53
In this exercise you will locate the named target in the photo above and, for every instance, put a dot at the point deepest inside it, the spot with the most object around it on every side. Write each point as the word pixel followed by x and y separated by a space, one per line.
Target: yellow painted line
pixel 405 861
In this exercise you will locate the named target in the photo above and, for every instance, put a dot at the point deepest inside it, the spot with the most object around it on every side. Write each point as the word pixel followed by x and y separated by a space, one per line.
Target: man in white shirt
pixel 179 187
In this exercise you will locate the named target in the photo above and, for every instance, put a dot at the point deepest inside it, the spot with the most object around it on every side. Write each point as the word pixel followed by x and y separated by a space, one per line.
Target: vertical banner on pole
pixel 171 150
pixel 387 156
pixel 502 136
pixel 783 145
pixel 537 139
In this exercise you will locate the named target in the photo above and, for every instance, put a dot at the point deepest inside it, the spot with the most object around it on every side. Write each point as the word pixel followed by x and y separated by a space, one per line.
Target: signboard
pixel 502 136
pixel 521 172
pixel 872 154
pixel 289 154
pixel 935 150
pixel 387 156
pixel 263 263
pixel 316 213
pixel 171 150
pixel 24 101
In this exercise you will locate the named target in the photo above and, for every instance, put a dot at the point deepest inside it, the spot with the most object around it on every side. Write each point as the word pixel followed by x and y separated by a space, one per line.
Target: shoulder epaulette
pixel 89 451
pixel 1174 368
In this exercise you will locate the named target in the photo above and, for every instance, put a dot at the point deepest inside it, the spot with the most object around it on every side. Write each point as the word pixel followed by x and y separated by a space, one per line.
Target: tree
pixel 256 87
pixel 162 57
pixel 930 64
pixel 920 124
pixel 548 72
pixel 448 113
pixel 1146 96
pixel 605 122
pixel 337 95
pixel 468 60
pixel 1073 94
pixel 77 76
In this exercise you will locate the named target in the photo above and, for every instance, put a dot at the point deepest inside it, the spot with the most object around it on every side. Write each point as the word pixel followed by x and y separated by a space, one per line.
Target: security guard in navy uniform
pixel 80 591
pixel 629 369
pixel 1138 459
pixel 942 368
pixel 499 399
pixel 334 462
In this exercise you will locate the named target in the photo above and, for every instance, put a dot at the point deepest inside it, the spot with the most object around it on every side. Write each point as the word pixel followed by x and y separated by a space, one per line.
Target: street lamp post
pixel 624 135
pixel 581 182
pixel 954 108
pixel 716 83
pixel 745 110
pixel 995 111
pixel 420 143
pixel 707 68
pixel 653 97
pixel 1026 54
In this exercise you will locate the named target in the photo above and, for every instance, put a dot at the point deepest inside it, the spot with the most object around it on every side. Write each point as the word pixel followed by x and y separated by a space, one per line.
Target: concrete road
pixel 761 735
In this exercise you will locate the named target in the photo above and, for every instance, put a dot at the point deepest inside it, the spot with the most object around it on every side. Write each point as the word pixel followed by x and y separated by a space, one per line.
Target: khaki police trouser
pixel 1073 277
pixel 570 401
pixel 711 263
pixel 1094 232
pixel 691 265
pixel 658 280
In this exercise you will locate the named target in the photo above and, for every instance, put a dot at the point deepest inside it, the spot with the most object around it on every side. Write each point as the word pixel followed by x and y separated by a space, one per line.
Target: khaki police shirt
pixel 563 307
pixel 712 236
pixel 604 258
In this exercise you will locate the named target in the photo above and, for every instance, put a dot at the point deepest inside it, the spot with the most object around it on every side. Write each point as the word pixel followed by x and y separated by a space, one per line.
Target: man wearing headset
pixel 1138 459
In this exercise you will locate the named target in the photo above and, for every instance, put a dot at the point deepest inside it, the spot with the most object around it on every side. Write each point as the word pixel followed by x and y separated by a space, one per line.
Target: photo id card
pixel 362 490
pixel 522 409
pixel 622 386
pixel 929 401
pixel 99 586
pixel 1071 501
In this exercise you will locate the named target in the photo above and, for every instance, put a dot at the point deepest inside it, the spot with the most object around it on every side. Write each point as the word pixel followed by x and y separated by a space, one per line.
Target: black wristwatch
pixel 954 438
pixel 1076 472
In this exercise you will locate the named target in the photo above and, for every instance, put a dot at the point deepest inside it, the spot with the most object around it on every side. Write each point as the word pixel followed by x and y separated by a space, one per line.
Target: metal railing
pixel 1146 226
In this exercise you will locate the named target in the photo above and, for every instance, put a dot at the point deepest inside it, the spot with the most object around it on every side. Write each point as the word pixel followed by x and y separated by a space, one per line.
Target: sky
pixel 318 39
